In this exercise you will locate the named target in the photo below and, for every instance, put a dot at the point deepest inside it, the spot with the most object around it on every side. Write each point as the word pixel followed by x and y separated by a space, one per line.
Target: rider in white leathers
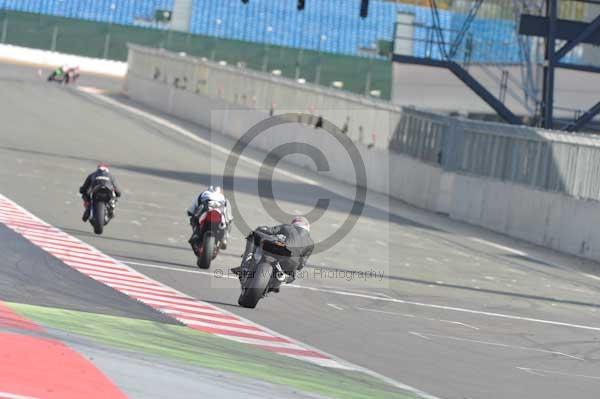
pixel 198 207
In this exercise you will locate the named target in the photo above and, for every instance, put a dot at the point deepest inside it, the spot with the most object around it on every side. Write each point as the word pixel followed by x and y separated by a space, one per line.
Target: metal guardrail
pixel 548 160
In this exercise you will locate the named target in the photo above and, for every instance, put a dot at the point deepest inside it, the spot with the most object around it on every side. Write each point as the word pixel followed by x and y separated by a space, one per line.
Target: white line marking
pixel 185 315
pixel 419 335
pixel 191 307
pixel 131 284
pixel 335 306
pixel 102 275
pixel 525 348
pixel 254 341
pixel 386 312
pixel 498 246
pixel 591 276
pixel 542 373
pixel 192 136
pixel 7 395
pixel 395 300
pixel 425 318
pixel 530 371
pixel 460 324
pixel 191 322
pixel 181 300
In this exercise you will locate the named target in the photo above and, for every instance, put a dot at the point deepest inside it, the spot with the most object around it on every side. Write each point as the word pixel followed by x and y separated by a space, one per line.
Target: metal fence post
pixel 298 64
pixel 54 38
pixel 4 29
pixel 106 45
pixel 368 78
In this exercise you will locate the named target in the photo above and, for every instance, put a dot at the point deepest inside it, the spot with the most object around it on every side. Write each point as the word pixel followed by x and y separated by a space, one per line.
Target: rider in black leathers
pixel 296 237
pixel 101 176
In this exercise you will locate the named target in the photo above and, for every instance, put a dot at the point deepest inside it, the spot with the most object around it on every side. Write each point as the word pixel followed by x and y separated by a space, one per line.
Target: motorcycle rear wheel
pixel 256 285
pixel 99 212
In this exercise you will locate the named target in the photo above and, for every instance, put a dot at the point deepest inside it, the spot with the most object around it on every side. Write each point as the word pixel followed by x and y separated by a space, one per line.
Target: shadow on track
pixel 403 279
pixel 302 194
pixel 298 193
pixel 85 233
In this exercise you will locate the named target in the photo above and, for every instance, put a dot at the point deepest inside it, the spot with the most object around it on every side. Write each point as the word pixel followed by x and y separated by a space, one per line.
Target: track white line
pixel 591 276
pixel 542 373
pixel 423 318
pixel 393 300
pixel 499 344
pixel 498 246
pixel 460 324
pixel 419 335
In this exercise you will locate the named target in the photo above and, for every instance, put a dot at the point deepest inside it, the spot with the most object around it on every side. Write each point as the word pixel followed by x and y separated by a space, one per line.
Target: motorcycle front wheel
pixel 207 250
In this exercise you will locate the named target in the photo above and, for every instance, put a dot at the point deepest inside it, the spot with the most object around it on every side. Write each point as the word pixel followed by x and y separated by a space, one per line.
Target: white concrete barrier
pixel 54 59
pixel 550 219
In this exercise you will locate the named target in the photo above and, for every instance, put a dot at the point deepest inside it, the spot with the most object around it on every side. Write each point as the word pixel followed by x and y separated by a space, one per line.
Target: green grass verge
pixel 209 351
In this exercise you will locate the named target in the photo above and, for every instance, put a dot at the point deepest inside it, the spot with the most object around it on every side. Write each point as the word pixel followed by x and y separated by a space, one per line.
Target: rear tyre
pixel 207 251
pixel 99 212
pixel 256 286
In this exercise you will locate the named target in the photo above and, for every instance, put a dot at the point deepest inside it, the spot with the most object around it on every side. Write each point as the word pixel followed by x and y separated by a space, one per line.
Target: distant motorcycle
pixel 265 272
pixel 103 203
pixel 209 235
pixel 59 75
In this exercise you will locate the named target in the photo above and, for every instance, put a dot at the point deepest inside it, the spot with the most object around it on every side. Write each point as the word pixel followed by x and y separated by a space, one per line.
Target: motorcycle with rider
pixel 211 220
pixel 272 257
pixel 64 74
pixel 99 193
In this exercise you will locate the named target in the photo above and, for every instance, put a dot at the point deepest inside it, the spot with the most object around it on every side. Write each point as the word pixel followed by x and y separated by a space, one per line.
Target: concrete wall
pixel 414 182
pixel 255 90
pixel 553 220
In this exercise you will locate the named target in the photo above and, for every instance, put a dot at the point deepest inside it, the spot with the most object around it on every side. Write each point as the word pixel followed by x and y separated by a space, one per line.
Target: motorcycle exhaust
pixel 222 225
pixel 280 275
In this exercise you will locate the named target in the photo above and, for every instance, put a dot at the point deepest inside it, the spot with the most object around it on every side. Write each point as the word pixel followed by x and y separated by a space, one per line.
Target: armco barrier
pixel 551 219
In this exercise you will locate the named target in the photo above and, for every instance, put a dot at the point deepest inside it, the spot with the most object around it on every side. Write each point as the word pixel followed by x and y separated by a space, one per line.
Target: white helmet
pixel 301 221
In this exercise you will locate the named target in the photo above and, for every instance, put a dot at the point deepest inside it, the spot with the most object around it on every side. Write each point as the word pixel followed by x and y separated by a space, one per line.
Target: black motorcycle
pixel 103 202
pixel 265 272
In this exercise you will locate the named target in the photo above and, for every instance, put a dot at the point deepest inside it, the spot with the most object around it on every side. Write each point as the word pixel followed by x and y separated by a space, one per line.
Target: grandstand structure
pixel 480 36
pixel 327 25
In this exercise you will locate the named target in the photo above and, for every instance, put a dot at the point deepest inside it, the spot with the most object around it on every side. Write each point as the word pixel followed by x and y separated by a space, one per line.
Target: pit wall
pixel 550 219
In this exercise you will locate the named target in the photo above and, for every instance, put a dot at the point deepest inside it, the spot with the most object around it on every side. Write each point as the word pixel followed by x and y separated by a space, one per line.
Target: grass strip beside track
pixel 201 349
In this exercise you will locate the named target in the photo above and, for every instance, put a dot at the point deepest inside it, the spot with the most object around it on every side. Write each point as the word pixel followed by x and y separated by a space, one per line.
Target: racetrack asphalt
pixel 460 312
